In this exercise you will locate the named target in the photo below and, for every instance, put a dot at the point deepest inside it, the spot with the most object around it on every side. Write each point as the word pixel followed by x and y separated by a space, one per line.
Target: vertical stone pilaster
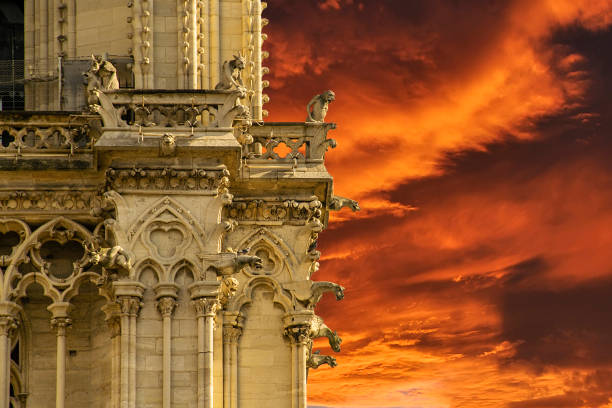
pixel 128 295
pixel 206 310
pixel 113 320
pixel 231 336
pixel 9 313
pixel 300 341
pixel 166 304
pixel 60 322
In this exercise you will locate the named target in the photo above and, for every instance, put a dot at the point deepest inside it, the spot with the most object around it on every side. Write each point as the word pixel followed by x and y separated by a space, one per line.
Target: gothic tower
pixel 157 236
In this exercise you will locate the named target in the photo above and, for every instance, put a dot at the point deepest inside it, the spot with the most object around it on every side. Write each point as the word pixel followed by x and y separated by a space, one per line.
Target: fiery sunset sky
pixel 476 136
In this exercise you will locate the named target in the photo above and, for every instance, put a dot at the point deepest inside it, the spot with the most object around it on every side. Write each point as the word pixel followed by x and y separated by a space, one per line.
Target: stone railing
pixel 22 133
pixel 289 142
pixel 159 108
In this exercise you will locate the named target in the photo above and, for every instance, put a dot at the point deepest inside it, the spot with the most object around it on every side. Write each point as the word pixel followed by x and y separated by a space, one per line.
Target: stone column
pixel 60 323
pixel 113 320
pixel 231 335
pixel 129 295
pixel 166 303
pixel 9 313
pixel 299 348
pixel 205 297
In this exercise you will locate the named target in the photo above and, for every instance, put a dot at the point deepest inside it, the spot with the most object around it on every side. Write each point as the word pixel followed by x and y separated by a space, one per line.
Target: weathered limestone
pixel 157 247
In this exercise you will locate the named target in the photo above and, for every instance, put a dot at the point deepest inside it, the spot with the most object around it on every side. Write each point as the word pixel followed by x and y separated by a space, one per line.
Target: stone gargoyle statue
pixel 231 74
pixel 102 74
pixel 318 106
pixel 115 262
pixel 337 203
pixel 318 328
pixel 308 293
pixel 230 262
pixel 315 360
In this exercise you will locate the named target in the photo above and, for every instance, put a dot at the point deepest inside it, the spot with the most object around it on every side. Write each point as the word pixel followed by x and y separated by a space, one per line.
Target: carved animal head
pixel 354 205
pixel 94 255
pixel 335 341
pixel 252 261
pixel 339 291
pixel 328 96
pixel 239 62
pixel 168 139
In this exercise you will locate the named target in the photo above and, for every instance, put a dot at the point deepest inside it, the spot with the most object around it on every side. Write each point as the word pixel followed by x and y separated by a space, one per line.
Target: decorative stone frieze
pixel 270 209
pixel 71 202
pixel 167 179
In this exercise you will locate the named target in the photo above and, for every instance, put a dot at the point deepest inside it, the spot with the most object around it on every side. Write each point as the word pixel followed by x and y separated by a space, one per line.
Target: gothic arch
pixel 59 229
pixel 140 267
pixel 74 287
pixel 191 266
pixel 246 294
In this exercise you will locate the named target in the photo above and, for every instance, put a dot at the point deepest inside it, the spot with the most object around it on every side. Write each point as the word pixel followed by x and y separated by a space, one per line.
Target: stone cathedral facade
pixel 157 236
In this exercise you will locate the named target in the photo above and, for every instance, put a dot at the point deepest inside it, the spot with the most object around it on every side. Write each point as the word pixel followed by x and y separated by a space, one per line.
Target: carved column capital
pixel 130 305
pixel 298 335
pixel 166 306
pixel 231 334
pixel 60 324
pixel 206 306
pixel 7 325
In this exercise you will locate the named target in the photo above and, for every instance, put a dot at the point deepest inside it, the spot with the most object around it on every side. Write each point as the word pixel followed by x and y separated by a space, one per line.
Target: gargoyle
pixel 318 106
pixel 315 360
pixel 228 263
pixel 231 75
pixel 102 74
pixel 319 329
pixel 115 261
pixel 337 203
pixel 308 293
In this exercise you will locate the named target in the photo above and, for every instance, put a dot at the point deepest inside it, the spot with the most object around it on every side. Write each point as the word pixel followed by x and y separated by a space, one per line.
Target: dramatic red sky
pixel 476 136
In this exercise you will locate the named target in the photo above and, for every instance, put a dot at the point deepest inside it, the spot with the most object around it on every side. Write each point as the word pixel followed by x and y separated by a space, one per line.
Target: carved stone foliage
pixel 166 306
pixel 206 306
pixel 130 305
pixel 273 210
pixel 299 335
pixel 231 334
pixel 167 179
pixel 47 200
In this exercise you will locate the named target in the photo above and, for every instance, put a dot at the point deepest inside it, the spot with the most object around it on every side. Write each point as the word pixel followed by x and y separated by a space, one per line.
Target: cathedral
pixel 158 238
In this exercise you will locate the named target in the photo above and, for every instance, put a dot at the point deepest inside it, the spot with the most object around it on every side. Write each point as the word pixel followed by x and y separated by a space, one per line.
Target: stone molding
pixel 167 180
pixel 273 209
